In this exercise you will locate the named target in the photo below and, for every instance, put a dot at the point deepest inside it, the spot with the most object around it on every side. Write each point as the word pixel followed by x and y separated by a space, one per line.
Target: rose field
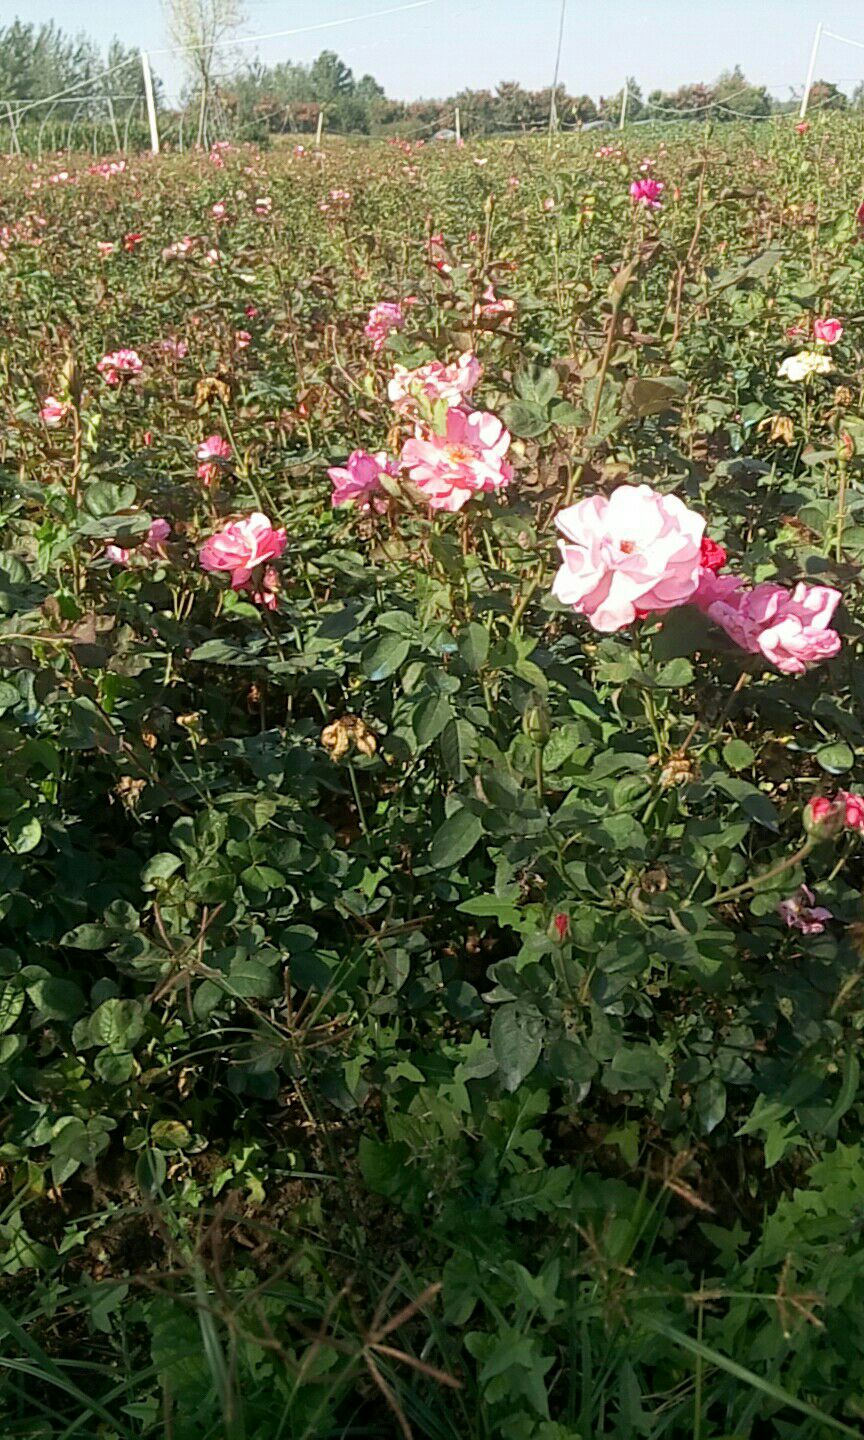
pixel 432 805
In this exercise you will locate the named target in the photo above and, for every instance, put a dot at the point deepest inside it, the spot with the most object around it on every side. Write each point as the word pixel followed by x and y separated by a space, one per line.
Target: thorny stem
pixel 787 863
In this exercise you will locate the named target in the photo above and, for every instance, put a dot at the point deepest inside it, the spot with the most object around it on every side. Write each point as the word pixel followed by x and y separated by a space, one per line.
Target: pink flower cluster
pixel 435 381
pixel 384 318
pixel 120 365
pixel 824 817
pixel 447 467
pixel 647 192
pixel 359 479
pixel 638 553
pixel 243 548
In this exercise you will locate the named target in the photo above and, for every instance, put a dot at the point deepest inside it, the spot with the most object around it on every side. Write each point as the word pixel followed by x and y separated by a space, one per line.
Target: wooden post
pixel 458 127
pixel 318 132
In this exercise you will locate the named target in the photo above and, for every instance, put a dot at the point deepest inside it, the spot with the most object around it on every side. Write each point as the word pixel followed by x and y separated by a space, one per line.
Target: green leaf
pixel 56 998
pixel 835 758
pixel 24 833
pixel 385 656
pixel 430 717
pixel 516 1040
pixel 473 646
pixel 454 839
pixel 636 1067
pixel 117 1023
pixel 525 419
pixel 650 395
pixel 170 1135
pixel 738 755
pixel 11 1004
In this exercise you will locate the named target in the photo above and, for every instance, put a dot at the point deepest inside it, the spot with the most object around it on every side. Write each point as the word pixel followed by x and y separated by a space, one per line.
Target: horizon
pixel 412 53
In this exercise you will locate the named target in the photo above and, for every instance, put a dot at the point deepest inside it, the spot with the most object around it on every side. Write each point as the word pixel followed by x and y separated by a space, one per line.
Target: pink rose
pixel 241 547
pixel 214 454
pixel 384 318
pixel 647 192
pixel 824 818
pixel 854 809
pixel 790 629
pixel 242 339
pixel 634 554
pixel 800 912
pixel 435 381
pixel 53 411
pixel 827 331
pixel 467 459
pixel 358 480
pixel 120 365
pixel 156 535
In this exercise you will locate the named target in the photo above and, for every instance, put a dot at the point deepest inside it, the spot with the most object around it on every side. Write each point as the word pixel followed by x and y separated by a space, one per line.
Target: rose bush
pixel 430 979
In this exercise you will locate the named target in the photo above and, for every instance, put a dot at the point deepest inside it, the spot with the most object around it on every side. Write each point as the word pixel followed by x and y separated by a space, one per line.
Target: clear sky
pixel 449 44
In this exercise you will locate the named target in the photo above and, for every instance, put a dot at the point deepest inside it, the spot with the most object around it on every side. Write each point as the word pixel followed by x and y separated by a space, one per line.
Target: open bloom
pixel 492 307
pixel 633 554
pixel 791 629
pixel 213 454
pixel 240 549
pixel 467 459
pixel 435 381
pixel 804 364
pixel 800 912
pixel 53 411
pixel 647 192
pixel 384 318
pixel 359 479
pixel 120 365
pixel 827 331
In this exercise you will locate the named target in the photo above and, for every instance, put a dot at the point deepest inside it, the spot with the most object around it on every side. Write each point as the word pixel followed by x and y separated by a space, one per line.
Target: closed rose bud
pixel 535 721
pixel 824 818
pixel 559 928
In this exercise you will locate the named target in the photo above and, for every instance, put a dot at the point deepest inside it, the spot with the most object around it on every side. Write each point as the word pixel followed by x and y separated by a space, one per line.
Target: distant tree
pixel 330 78
pixel 825 95
pixel 200 27
pixel 732 90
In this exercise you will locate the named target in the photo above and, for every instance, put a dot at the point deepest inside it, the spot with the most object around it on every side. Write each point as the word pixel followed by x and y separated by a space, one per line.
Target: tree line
pixel 38 61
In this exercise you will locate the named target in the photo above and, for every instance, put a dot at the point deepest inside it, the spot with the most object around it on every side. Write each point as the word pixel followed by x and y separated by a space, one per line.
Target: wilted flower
pixel 492 306
pixel 263 205
pixel 348 731
pixel 800 912
pixel 634 554
pixel 359 479
pixel 467 459
pixel 804 364
pixel 120 365
pixel 105 248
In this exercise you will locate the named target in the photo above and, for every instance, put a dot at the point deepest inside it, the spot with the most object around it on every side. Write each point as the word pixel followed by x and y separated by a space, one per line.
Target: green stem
pixel 788 863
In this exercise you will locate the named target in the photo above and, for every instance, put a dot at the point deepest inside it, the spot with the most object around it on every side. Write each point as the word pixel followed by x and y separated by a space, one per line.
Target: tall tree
pixel 200 28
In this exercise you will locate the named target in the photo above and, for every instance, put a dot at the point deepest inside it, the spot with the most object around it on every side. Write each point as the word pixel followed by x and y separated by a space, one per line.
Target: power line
pixel 298 30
